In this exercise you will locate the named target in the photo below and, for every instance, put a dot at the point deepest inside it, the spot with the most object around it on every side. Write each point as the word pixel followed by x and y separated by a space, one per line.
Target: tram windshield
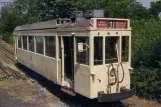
pixel 115 47
pixel 98 55
pixel 111 48
pixel 125 49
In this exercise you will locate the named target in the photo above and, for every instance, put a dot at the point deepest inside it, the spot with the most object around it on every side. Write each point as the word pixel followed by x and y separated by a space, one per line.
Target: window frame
pixel 119 49
pixel 88 59
pixel 46 49
pixel 128 48
pixel 33 44
pixel 23 42
pixel 19 36
pixel 36 51
pixel 102 62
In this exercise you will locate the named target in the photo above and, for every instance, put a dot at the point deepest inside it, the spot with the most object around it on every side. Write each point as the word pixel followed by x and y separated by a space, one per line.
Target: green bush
pixel 8 37
pixel 147 82
pixel 146 58
pixel 146 37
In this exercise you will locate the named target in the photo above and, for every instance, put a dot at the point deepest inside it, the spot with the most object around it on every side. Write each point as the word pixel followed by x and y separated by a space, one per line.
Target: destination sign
pixel 112 24
pixel 102 24
pixel 122 25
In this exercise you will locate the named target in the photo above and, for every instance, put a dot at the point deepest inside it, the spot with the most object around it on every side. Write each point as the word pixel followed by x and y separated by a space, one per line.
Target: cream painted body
pixel 88 79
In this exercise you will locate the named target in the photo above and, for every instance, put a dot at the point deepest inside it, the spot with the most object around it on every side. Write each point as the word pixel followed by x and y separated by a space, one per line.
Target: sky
pixel 146 3
pixel 5 0
pixel 1 5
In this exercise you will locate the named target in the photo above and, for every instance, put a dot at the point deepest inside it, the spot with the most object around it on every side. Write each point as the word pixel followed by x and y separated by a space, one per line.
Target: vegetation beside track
pixel 146 58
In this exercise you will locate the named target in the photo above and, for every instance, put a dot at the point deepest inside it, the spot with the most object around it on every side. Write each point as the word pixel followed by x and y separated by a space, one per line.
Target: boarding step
pixel 68 91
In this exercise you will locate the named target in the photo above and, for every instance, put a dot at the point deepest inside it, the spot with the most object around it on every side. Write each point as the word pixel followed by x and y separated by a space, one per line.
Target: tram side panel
pixel 43 65
pixel 59 79
pixel 51 68
pixel 24 58
pixel 99 80
pixel 82 80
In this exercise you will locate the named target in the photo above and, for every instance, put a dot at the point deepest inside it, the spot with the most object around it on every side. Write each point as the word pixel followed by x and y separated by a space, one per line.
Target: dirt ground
pixel 20 93
pixel 140 102
pixel 25 93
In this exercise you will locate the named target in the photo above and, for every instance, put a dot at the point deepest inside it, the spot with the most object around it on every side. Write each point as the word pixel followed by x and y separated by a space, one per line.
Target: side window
pixel 125 49
pixel 60 53
pixel 111 49
pixel 39 44
pixel 83 53
pixel 50 46
pixel 19 41
pixel 24 42
pixel 31 43
pixel 98 50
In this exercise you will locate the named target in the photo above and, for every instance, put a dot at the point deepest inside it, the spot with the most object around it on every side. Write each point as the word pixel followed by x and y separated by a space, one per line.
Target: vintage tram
pixel 88 56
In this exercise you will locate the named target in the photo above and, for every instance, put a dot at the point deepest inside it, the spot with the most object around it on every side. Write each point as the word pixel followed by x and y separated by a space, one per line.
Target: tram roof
pixel 81 23
pixel 52 24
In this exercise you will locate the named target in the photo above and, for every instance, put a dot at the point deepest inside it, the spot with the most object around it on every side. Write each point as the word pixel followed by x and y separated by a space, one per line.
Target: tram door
pixel 68 59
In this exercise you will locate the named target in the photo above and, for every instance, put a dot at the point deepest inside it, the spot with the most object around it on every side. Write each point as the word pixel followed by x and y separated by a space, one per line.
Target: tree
pixel 116 8
pixel 155 8
pixel 137 11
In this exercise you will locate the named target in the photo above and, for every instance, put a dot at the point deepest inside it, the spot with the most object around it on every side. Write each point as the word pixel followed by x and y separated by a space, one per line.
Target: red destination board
pixel 121 25
pixel 112 24
pixel 102 24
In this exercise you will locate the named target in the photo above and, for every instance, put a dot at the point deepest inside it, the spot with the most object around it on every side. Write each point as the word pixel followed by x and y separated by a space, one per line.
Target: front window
pixel 98 48
pixel 111 49
pixel 125 49
pixel 82 50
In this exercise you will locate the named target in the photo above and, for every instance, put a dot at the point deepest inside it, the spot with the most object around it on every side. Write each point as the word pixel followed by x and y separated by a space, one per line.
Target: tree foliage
pixel 146 58
pixel 29 11
pixel 146 36
pixel 155 8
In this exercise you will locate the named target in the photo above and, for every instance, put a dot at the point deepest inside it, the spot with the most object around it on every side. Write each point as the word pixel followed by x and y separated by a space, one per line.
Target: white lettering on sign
pixel 102 23
pixel 122 25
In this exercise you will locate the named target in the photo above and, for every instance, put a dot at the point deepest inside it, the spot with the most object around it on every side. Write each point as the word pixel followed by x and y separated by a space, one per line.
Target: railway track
pixel 8 56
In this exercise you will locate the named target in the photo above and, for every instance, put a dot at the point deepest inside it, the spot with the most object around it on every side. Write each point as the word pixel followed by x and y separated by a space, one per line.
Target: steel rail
pixel 6 53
